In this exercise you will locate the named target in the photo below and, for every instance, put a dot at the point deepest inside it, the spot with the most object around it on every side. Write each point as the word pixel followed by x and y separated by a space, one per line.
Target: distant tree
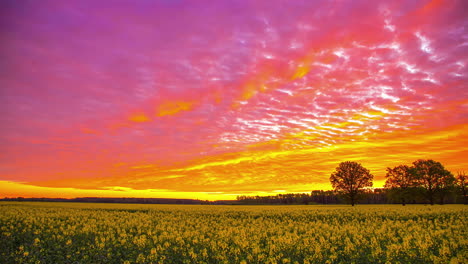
pixel 401 182
pixel 374 196
pixel 349 178
pixel 433 178
pixel 462 182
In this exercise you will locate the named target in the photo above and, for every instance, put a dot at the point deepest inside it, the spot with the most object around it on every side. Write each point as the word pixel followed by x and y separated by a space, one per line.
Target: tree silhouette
pixel 462 182
pixel 401 182
pixel 349 178
pixel 433 178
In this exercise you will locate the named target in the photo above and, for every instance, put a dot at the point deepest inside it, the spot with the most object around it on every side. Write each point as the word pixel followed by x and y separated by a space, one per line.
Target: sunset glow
pixel 213 99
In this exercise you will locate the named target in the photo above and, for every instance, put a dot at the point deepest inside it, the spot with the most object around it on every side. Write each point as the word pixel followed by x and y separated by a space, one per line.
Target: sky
pixel 214 99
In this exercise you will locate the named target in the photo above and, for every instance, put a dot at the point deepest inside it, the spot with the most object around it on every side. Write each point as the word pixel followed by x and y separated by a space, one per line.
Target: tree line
pixel 109 200
pixel 425 181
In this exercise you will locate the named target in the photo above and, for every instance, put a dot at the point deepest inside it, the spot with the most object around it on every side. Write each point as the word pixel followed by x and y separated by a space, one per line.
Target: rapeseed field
pixel 36 232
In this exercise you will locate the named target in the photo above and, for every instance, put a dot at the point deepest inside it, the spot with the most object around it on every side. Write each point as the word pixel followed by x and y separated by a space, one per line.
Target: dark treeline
pixel 425 181
pixel 110 200
pixel 369 196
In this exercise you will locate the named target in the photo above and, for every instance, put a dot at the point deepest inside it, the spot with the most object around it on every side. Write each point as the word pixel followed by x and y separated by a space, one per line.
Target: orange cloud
pixel 287 164
pixel 173 107
pixel 139 118
pixel 303 68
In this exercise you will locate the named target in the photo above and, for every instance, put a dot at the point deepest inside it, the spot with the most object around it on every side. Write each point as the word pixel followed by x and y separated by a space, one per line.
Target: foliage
pixel 349 178
pixel 127 233
pixel 462 182
pixel 401 182
pixel 315 197
pixel 433 178
pixel 372 196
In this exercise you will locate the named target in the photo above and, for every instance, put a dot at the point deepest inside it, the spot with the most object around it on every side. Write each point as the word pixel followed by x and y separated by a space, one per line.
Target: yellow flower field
pixel 36 232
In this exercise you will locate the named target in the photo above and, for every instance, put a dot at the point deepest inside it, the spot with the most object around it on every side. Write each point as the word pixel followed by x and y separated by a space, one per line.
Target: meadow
pixel 37 232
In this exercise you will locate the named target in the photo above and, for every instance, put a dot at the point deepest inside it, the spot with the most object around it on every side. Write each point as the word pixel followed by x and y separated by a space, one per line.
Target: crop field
pixel 38 232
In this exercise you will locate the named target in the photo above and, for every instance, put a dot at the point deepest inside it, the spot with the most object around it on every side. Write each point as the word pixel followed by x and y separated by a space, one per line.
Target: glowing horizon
pixel 210 100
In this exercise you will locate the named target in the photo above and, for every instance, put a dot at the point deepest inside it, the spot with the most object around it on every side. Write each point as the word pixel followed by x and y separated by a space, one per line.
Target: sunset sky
pixel 214 99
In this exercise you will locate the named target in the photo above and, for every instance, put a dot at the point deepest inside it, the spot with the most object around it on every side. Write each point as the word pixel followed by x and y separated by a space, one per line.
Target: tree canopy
pixel 462 182
pixel 401 182
pixel 349 178
pixel 433 178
